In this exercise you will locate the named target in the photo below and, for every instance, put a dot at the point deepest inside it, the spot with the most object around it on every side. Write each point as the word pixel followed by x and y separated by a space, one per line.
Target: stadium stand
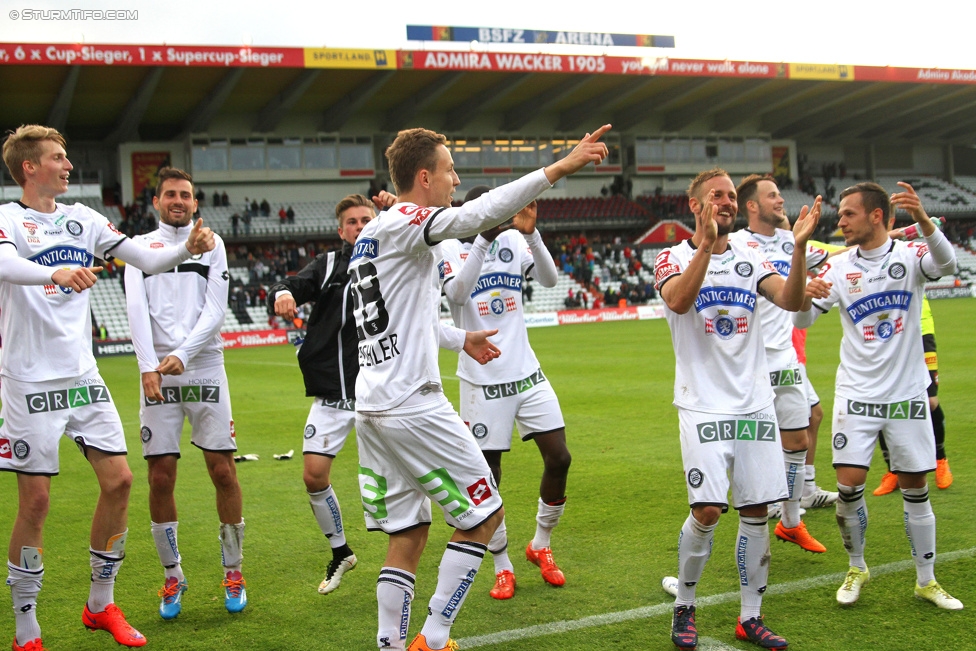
pixel 938 196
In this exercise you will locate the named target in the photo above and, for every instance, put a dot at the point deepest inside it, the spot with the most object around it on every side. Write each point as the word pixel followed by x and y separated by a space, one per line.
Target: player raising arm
pixel 882 379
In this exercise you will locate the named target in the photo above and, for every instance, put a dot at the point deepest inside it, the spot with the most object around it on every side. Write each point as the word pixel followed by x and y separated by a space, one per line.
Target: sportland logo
pixel 257 338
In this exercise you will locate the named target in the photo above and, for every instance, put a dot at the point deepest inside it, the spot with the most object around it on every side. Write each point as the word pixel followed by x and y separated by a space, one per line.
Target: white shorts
pixel 489 411
pixel 200 395
pixel 411 455
pixel 35 414
pixel 329 423
pixel 907 429
pixel 743 449
pixel 792 410
pixel 812 398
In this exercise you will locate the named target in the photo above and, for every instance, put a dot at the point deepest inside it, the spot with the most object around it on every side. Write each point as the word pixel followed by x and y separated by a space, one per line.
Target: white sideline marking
pixel 711 644
pixel 645 612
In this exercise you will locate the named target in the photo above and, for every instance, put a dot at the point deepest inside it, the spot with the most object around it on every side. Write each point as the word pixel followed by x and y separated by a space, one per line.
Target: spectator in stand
pixel 282 215
pixel 216 199
pixel 247 222
pixel 254 207
pixel 291 215
pixel 265 208
pixel 224 199
pixel 201 197
pixel 234 221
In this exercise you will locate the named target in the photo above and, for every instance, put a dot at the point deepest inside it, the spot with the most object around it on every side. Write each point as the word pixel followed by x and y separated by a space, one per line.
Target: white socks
pixel 165 536
pixel 394 593
pixel 459 565
pixel 852 518
pixel 325 507
pixel 232 546
pixel 920 527
pixel 752 559
pixel 694 548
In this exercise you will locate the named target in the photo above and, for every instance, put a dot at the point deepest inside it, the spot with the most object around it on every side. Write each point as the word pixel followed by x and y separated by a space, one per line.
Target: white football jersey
pixel 178 312
pixel 495 302
pixel 396 289
pixel 777 326
pixel 46 329
pixel 718 345
pixel 881 357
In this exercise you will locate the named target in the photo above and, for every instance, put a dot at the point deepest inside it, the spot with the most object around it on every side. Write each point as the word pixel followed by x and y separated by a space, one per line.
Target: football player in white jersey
pixel 722 391
pixel 483 284
pixel 763 207
pixel 412 444
pixel 51 384
pixel 882 378
pixel 175 320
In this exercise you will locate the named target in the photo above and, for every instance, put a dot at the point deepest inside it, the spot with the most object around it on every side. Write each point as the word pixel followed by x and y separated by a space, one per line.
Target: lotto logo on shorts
pixel 737 430
pixel 479 491
pixel 906 410
pixel 67 398
pixel 785 378
pixel 5 449
pixel 173 395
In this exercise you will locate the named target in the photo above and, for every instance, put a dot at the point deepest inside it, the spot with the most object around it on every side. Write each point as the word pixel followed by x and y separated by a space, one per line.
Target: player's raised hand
pixel 707 220
pixel 384 200
pixel 285 305
pixel 909 201
pixel 201 239
pixel 478 348
pixel 589 150
pixel 807 222
pixel 76 278
pixel 524 221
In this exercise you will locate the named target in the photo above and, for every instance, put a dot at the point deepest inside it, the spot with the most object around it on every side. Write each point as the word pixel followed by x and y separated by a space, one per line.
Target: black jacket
pixel 329 358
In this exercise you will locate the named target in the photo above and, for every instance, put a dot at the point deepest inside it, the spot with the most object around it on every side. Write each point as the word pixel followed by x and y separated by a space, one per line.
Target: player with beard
pixel 882 378
pixel 722 391
pixel 762 205
pixel 175 320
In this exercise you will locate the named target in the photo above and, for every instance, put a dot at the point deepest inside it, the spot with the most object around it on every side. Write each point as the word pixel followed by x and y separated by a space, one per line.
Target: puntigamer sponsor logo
pixel 737 430
pixel 187 394
pixel 67 398
pixel 905 410
pixel 495 391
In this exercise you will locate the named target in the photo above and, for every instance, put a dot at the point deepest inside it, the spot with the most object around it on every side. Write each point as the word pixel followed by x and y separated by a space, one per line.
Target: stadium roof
pixel 117 93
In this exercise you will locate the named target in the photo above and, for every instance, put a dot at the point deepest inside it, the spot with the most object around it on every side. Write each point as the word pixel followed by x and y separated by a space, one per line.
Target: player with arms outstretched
pixel 412 444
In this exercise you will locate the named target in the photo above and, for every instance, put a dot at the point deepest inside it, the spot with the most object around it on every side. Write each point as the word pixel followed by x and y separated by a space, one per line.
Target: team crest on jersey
pixel 505 255
pixel 726 326
pixel 788 248
pixel 145 434
pixel 744 269
pixel 896 271
pixel 309 431
pixel 21 449
pixel 884 329
pixel 480 430
pixel 76 229
pixel 840 441
pixel 695 477
pixel 854 282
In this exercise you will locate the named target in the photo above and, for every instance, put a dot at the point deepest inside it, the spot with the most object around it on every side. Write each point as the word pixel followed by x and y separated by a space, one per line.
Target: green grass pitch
pixel 617 539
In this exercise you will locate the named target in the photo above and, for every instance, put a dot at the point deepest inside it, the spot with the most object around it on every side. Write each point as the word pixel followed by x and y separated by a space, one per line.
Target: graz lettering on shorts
pixel 497 280
pixel 177 394
pixel 785 378
pixel 383 350
pixel 905 410
pixel 893 300
pixel 495 391
pixel 67 398
pixel 737 430
pixel 347 404
pixel 730 296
